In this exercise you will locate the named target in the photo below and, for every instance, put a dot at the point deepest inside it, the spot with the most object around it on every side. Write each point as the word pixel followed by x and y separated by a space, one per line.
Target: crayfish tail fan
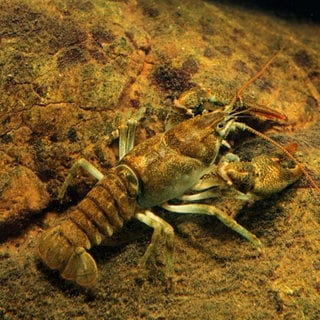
pixel 81 268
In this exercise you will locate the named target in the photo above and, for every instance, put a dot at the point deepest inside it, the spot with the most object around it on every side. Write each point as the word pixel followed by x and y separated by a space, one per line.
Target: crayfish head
pixel 200 137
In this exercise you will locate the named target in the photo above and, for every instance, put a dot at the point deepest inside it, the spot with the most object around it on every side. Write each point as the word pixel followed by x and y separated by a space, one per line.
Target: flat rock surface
pixel 71 71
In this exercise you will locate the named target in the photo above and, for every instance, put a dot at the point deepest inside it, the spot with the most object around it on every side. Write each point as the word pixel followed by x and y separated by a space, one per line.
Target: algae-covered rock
pixel 21 194
pixel 65 68
pixel 70 70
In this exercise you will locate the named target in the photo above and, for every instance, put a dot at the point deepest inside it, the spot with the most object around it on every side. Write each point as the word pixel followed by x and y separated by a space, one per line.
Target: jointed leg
pixel 219 214
pixel 86 165
pixel 126 137
pixel 127 132
pixel 161 228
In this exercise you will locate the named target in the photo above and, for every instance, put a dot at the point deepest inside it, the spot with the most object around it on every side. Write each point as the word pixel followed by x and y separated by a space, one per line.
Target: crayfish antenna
pixel 237 96
pixel 255 77
pixel 283 149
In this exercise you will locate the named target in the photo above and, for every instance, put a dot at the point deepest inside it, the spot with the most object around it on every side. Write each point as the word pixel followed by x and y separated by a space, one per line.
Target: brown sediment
pixel 69 71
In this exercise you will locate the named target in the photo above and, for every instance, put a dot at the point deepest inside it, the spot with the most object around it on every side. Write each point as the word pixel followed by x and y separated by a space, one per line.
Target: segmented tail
pixel 103 211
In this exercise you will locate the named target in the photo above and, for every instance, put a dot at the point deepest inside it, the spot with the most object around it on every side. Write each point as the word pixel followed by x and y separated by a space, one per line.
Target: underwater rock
pixel 22 195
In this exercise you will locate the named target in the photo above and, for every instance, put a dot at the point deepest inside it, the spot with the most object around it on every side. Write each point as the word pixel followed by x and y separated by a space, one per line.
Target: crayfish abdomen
pixel 103 211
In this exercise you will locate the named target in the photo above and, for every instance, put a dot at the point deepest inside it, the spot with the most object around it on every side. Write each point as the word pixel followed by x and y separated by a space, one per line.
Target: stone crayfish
pixel 182 163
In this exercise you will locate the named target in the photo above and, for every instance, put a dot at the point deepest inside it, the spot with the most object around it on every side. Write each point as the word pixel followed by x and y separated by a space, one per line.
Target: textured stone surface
pixel 22 193
pixel 70 71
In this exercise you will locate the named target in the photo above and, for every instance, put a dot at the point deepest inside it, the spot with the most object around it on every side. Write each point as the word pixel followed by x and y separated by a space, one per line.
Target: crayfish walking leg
pixel 219 214
pixel 161 229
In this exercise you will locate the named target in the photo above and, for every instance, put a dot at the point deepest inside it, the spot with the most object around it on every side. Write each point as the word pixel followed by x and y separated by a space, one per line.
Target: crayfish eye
pixel 221 128
pixel 221 125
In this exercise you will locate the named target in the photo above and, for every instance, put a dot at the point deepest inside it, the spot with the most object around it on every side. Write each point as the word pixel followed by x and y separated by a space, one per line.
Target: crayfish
pixel 182 163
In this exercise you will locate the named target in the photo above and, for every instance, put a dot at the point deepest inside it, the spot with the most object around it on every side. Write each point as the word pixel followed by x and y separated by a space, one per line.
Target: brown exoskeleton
pixel 150 174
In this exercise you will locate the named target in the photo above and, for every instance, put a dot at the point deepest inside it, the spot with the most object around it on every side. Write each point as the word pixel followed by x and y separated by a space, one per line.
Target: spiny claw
pixel 261 176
